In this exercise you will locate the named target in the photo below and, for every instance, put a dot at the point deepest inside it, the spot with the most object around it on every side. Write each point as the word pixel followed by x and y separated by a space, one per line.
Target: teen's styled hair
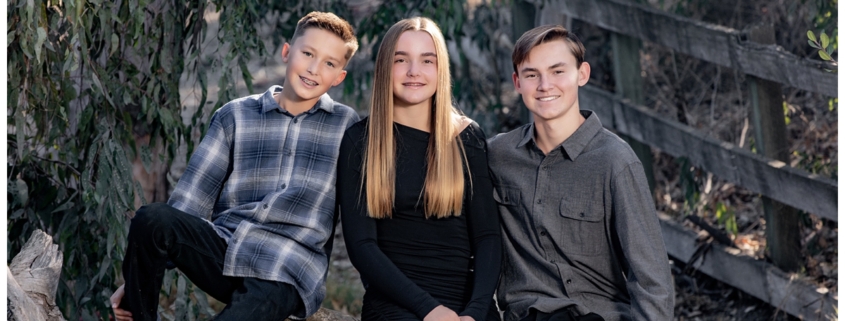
pixel 543 34
pixel 444 183
pixel 329 22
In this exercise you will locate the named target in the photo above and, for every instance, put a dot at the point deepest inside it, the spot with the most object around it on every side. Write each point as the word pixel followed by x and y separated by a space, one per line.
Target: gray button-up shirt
pixel 579 227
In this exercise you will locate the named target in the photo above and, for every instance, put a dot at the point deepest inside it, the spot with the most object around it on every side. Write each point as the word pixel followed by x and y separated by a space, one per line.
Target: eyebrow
pixel 531 69
pixel 425 54
pixel 557 65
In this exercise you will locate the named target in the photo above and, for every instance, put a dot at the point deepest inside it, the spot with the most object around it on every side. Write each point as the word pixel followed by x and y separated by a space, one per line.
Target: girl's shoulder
pixel 471 133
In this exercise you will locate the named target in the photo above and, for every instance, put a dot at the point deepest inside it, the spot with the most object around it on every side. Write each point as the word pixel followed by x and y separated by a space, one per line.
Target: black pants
pixel 159 233
pixel 565 314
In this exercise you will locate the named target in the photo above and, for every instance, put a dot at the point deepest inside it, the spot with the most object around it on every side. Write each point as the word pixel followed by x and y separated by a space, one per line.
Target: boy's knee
pixel 150 218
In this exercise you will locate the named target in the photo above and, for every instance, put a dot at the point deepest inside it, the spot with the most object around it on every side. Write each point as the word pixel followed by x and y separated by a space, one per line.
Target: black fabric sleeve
pixel 360 235
pixel 483 223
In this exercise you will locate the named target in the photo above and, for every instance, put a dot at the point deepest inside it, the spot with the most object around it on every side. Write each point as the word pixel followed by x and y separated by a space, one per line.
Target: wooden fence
pixel 719 45
pixel 768 66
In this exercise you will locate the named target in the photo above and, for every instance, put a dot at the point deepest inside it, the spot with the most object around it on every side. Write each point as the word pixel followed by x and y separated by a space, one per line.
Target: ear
pixel 516 85
pixel 339 78
pixel 583 73
pixel 285 52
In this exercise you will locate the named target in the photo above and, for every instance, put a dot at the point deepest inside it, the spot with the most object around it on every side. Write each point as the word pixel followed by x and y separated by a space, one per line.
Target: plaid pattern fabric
pixel 266 181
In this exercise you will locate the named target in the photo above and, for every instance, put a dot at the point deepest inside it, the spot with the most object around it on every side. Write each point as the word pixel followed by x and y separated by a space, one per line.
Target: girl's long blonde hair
pixel 444 182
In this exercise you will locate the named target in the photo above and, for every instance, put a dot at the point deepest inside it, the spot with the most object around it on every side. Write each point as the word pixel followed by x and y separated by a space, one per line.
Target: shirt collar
pixel 268 103
pixel 575 144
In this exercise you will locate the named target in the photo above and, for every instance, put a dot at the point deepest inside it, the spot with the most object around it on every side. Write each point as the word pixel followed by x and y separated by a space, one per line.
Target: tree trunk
pixel 33 277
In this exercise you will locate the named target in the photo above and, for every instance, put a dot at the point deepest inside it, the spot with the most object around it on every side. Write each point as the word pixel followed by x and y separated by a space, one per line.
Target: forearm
pixel 487 267
pixel 486 232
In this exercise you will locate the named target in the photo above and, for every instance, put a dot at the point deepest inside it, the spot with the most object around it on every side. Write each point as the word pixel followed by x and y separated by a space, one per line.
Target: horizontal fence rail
pixel 797 297
pixel 797 188
pixel 712 43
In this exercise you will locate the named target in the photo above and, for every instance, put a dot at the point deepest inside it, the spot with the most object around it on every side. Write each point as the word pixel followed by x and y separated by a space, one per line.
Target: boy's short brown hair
pixel 332 23
pixel 543 34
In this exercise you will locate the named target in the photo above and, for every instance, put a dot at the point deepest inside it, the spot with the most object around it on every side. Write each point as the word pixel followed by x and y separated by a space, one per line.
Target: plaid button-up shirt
pixel 266 179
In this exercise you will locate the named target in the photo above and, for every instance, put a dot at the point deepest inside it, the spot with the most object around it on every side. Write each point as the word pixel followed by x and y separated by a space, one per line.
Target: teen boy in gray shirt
pixel 581 237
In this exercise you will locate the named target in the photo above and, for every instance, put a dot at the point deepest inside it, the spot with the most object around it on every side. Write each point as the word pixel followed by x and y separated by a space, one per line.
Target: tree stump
pixel 33 277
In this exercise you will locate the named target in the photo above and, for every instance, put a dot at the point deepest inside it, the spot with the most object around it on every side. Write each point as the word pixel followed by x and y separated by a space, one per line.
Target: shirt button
pixel 284 186
pixel 582 214
pixel 295 120
pixel 552 261
pixel 265 205
pixel 569 281
pixel 542 233
pixel 539 201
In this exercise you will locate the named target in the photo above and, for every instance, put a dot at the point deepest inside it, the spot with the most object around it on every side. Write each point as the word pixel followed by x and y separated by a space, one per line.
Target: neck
pixel 551 133
pixel 293 104
pixel 418 117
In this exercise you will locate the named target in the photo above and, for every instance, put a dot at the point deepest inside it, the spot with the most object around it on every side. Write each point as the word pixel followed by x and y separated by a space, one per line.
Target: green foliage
pixel 690 184
pixel 87 79
pixel 823 44
pixel 727 218
pixel 826 13
pixel 84 80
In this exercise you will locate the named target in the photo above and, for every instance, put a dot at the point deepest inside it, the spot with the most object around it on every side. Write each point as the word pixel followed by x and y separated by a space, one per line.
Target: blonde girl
pixel 415 196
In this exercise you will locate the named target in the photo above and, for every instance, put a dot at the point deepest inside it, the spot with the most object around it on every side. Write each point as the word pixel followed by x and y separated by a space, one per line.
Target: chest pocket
pixel 506 195
pixel 508 198
pixel 582 227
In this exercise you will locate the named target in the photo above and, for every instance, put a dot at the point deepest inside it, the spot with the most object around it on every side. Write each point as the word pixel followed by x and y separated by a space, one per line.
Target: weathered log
pixel 33 277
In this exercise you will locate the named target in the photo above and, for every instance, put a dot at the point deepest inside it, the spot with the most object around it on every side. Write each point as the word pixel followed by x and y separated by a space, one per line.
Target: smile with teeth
pixel 548 98
pixel 413 84
pixel 307 81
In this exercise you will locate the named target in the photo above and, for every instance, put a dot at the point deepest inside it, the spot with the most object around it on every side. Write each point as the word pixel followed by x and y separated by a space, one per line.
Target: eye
pixel 558 72
pixel 330 64
pixel 399 60
pixel 530 76
pixel 307 53
pixel 429 61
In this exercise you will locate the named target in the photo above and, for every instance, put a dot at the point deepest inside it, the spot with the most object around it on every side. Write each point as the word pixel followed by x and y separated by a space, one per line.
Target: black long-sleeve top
pixel 412 262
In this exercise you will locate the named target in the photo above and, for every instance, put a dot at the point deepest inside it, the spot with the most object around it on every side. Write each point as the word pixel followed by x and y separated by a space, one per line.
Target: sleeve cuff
pixel 476 311
pixel 426 307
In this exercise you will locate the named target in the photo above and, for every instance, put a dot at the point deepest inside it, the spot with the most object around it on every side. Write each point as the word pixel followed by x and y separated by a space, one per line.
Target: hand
pixel 121 314
pixel 441 313
pixel 466 318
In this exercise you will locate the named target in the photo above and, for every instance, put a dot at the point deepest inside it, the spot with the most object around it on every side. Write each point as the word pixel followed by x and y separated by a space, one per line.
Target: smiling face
pixel 548 80
pixel 315 63
pixel 414 70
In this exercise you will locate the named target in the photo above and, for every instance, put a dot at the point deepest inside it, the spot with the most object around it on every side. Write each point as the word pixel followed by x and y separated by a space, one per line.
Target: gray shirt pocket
pixel 581 227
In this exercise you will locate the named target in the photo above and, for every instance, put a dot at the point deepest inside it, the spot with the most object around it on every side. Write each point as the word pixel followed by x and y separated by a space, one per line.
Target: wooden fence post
pixel 782 226
pixel 626 70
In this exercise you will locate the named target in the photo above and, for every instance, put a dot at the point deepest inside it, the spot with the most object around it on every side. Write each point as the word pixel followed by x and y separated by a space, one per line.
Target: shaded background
pixel 107 100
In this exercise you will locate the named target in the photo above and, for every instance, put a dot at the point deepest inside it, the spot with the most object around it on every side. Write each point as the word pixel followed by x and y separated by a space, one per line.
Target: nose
pixel 312 67
pixel 544 84
pixel 413 69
